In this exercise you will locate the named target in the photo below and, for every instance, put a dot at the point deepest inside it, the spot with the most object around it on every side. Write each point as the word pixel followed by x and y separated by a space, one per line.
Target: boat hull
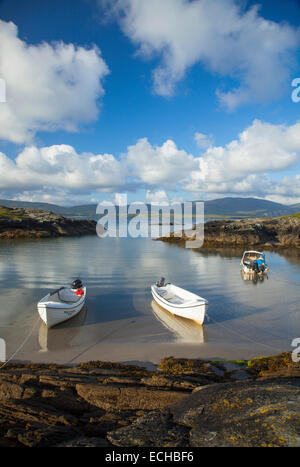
pixel 247 262
pixel 252 271
pixel 195 312
pixel 56 313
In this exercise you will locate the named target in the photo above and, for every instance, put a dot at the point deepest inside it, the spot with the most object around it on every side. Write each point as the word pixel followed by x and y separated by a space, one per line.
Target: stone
pixel 132 398
pixel 151 430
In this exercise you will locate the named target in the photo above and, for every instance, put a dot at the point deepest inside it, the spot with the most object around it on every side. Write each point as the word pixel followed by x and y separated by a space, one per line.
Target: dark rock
pixel 162 381
pixel 183 404
pixel 36 223
pixel 85 442
pixel 242 414
pixel 121 398
pixel 270 232
pixel 10 390
pixel 154 429
pixel 239 374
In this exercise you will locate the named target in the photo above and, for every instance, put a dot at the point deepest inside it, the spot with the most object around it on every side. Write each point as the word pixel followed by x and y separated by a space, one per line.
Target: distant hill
pixel 219 208
pixel 247 207
pixel 88 210
pixel 296 206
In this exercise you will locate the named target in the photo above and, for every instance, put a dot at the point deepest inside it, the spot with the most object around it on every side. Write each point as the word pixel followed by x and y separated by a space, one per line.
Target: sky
pixel 162 100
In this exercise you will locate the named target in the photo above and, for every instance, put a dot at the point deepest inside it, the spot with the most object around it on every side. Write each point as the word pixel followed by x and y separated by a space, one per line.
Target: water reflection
pixel 253 277
pixel 185 330
pixel 61 336
pixel 118 274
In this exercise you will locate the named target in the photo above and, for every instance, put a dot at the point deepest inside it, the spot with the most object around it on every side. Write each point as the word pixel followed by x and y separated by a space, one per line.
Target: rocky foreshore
pixel 270 233
pixel 183 403
pixel 36 223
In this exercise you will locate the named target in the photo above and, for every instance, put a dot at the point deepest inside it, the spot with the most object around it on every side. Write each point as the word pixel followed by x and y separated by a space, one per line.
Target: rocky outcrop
pixel 274 232
pixel 240 414
pixel 183 403
pixel 31 223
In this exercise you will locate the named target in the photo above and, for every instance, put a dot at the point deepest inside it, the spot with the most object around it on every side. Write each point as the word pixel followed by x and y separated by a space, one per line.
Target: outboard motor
pixel 77 284
pixel 259 265
pixel 161 282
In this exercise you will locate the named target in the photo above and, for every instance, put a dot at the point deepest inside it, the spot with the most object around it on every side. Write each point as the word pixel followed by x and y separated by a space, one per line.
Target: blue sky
pixel 170 102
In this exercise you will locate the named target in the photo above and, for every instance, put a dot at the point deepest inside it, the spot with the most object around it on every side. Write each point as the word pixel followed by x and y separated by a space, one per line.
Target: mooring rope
pixel 22 345
pixel 287 281
pixel 242 335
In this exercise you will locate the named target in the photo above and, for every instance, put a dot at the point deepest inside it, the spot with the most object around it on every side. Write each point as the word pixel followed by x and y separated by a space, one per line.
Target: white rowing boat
pixel 179 301
pixel 62 304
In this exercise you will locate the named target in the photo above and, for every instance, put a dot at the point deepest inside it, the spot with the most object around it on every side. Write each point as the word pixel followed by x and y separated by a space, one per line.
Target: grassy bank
pixel 15 215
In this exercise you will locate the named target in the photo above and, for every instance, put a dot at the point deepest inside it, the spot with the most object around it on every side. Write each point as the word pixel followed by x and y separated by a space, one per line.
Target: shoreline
pixel 270 233
pixel 180 404
pixel 23 223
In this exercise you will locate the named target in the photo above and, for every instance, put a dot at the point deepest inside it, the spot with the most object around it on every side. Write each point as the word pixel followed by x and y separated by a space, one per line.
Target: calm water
pixel 120 322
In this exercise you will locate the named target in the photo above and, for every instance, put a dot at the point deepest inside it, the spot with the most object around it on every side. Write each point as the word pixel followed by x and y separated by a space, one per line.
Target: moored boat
pixel 179 301
pixel 62 304
pixel 254 262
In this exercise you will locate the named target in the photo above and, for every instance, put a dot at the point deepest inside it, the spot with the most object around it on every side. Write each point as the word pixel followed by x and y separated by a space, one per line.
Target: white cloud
pixel 287 190
pixel 261 148
pixel 52 195
pixel 62 168
pixel 156 196
pixel 220 34
pixel 48 86
pixel 159 165
pixel 203 141
pixel 251 165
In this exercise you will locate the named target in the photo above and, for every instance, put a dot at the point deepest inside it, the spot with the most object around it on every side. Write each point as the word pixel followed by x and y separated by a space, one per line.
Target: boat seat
pixel 166 294
pixel 175 300
pixel 170 297
pixel 68 297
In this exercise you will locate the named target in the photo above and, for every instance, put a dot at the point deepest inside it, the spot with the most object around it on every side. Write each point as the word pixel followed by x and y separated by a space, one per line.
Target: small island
pixel 260 232
pixel 17 223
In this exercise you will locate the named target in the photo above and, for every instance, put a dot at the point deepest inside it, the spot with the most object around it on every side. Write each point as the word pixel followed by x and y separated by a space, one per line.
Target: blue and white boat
pixel 254 262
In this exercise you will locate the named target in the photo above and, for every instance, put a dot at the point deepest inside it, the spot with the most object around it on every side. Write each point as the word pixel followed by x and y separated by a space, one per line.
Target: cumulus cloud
pixel 48 86
pixel 220 34
pixel 287 190
pixel 159 165
pixel 251 165
pixel 156 196
pixel 262 147
pixel 60 167
pixel 242 167
pixel 203 141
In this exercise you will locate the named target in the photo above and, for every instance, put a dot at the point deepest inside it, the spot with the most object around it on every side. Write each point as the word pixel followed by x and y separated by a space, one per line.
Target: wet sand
pixel 145 340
